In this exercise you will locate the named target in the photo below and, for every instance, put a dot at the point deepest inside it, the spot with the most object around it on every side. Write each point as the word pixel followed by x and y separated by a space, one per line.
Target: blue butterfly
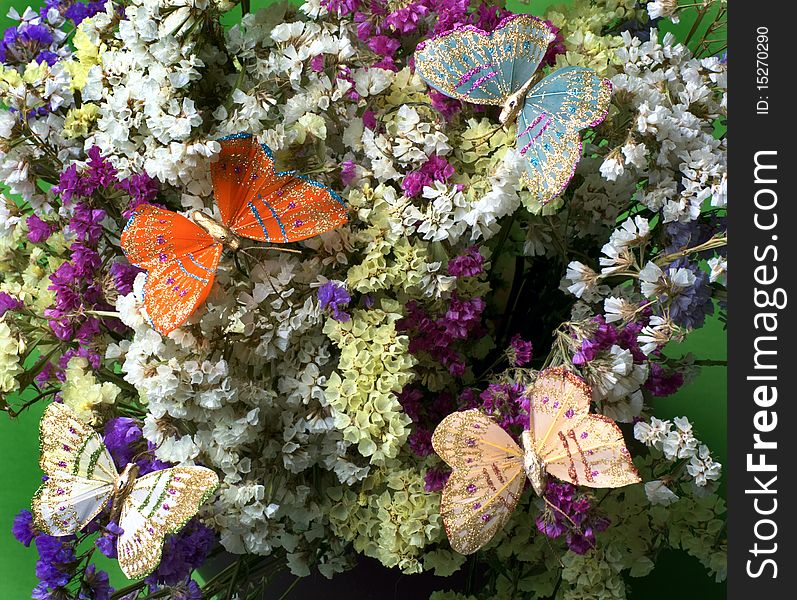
pixel 498 68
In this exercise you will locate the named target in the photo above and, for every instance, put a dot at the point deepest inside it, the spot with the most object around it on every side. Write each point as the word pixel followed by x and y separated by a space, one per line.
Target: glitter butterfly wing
pixel 80 473
pixel 560 105
pixel 484 68
pixel 180 258
pixel 262 204
pixel 486 481
pixel 576 446
pixel 159 504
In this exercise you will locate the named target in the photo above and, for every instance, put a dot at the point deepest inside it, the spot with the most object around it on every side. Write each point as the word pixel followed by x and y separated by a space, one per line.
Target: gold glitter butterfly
pixel 82 479
pixel 489 468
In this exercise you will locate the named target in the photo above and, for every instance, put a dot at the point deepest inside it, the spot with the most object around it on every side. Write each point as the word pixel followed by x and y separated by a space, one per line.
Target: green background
pixel 703 400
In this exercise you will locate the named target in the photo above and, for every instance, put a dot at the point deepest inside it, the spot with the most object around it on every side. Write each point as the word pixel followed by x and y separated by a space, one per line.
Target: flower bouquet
pixel 264 264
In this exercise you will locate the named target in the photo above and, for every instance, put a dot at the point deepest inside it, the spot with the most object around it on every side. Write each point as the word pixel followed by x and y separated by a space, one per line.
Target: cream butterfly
pixel 81 479
pixel 563 439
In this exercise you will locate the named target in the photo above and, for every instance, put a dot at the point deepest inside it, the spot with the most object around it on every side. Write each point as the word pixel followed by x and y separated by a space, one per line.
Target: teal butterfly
pixel 499 68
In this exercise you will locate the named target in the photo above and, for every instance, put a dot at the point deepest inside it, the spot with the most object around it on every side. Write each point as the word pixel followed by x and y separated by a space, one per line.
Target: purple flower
pixel 142 188
pixel 317 63
pixel 39 231
pixel 348 172
pixel 23 529
pixel 333 295
pixel 661 382
pixel 106 543
pixel 406 19
pixel 555 48
pixel 369 119
pixel 435 479
pixel 95 585
pixel 57 560
pixel 123 275
pixel 43 592
pixel 341 7
pixel 420 441
pixel 469 264
pixel 448 107
pixel 8 302
pixel 570 515
pixel 414 182
pixel 508 403
pixel 436 168
pixel 22 44
pixel 520 351
pixel 121 434
pixel 182 553
pixel 383 45
pixel 689 307
pixel 487 17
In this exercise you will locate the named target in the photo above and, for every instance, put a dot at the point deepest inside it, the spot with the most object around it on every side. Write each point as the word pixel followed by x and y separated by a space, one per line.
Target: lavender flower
pixel 39 231
pixel 519 352
pixel 469 264
pixel 333 295
pixel 106 543
pixel 8 302
pixel 569 514
pixel 95 585
pixel 57 560
pixel 348 172
pixel 435 479
pixel 23 529
pixel 182 553
pixel 120 436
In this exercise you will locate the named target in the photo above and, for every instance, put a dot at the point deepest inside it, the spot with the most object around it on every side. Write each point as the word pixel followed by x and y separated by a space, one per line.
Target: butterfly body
pixel 255 201
pixel 489 468
pixel 122 487
pixel 533 465
pixel 514 104
pixel 218 231
pixel 499 68
pixel 81 480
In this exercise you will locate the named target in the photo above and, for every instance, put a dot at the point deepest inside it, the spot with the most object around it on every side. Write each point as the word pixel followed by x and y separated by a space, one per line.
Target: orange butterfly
pixel 255 201
pixel 490 469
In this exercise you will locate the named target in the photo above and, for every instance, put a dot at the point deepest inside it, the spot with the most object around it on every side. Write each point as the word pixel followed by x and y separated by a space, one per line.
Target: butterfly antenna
pixel 561 512
pixel 553 551
pixel 238 265
pixel 275 249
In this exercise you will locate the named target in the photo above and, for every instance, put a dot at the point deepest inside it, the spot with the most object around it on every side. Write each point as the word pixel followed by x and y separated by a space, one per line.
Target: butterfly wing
pixel 159 504
pixel 563 103
pixel 485 68
pixel 262 204
pixel 486 481
pixel 180 258
pixel 576 446
pixel 80 473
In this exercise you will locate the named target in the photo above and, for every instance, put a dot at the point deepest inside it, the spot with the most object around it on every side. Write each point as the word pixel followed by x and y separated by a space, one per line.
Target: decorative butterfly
pixel 499 68
pixel 489 468
pixel 255 201
pixel 82 478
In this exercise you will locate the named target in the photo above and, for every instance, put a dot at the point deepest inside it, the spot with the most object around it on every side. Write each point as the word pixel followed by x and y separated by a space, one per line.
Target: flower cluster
pixel 312 381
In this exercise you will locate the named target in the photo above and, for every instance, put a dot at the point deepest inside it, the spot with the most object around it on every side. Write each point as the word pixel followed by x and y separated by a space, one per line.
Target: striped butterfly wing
pixel 180 259
pixel 262 204
pixel 556 109
pixel 576 446
pixel 486 481
pixel 484 68
pixel 159 504
pixel 80 473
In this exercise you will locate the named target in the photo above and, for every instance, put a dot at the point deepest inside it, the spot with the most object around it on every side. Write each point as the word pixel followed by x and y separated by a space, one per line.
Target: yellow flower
pixel 78 120
pixel 83 393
